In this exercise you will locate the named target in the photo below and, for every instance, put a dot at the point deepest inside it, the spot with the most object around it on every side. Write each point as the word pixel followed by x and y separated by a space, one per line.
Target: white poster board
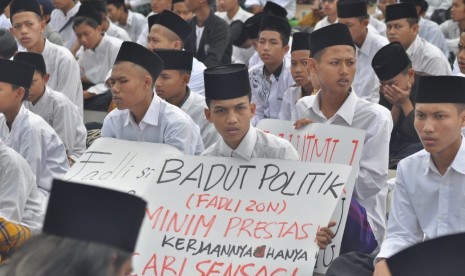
pixel 218 216
pixel 325 143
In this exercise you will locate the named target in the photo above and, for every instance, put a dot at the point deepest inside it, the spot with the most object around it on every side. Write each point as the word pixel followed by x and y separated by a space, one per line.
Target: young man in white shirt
pixel 57 110
pixel 367 43
pixel 330 12
pixel 132 22
pixel 141 115
pixel 402 27
pixel 95 57
pixel 28 28
pixel 172 86
pixel 333 60
pixel 270 79
pixel 62 20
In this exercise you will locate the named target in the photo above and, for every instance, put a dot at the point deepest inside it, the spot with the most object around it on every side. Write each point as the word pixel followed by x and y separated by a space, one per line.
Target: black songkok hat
pixel 441 89
pixel 115 2
pixel 138 54
pixel 4 3
pixel 34 59
pixel 175 23
pixel 17 73
pixel 99 5
pixel 332 35
pixel 252 24
pixel 346 9
pixel 238 33
pixel 8 45
pixel 94 214
pixel 226 82
pixel 24 6
pixel 89 11
pixel 390 61
pixel 275 23
pixel 175 59
pixel 422 3
pixel 443 255
pixel 273 8
pixel 300 41
pixel 177 1
pixel 152 20
pixel 400 11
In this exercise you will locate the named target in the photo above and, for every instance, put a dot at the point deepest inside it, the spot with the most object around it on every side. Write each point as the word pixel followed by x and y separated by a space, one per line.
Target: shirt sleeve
pixel 14 194
pixel 285 111
pixel 108 127
pixel 185 137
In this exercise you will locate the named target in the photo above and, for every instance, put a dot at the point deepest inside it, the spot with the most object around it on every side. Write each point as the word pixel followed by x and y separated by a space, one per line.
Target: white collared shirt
pixel 425 204
pixel 268 95
pixel 323 23
pixel 134 25
pixel 451 31
pixel 196 82
pixel 5 22
pixel 378 25
pixel 255 144
pixel 118 32
pixel 163 123
pixel 39 144
pixel 366 83
pixel 20 201
pixel 370 186
pixel 427 58
pixel 64 73
pixel 194 106
pixel 136 3
pixel 96 63
pixel 58 19
pixel 63 116
pixel 290 98
pixel 288 5
pixel 430 31
pixel 142 38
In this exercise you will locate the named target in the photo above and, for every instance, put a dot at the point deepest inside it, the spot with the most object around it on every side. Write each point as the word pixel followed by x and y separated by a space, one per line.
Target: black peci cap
pixel 226 82
pixel 390 61
pixel 400 11
pixel 440 89
pixel 332 35
pixel 34 59
pixel 17 73
pixel 174 59
pixel 138 54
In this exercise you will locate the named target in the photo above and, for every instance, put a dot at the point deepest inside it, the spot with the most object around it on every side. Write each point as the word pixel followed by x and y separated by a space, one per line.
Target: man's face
pixel 457 11
pixel 157 39
pixel 356 27
pixel 61 4
pixel 171 85
pixel 227 5
pixel 329 7
pixel 180 8
pixel 231 118
pixel 401 80
pixel 10 98
pixel 193 5
pixel 37 87
pixel 299 67
pixel 28 29
pixel 270 47
pixel 400 31
pixel 160 5
pixel 87 36
pixel 382 4
pixel 461 53
pixel 439 127
pixel 128 85
pixel 335 69
pixel 114 13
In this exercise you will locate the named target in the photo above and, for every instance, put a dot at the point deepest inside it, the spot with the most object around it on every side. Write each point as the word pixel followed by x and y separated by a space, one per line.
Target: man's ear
pixel 253 108
pixel 311 65
pixel 208 114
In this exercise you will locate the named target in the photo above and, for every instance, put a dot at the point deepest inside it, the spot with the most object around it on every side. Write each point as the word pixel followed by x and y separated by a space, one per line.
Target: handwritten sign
pixel 326 144
pixel 221 216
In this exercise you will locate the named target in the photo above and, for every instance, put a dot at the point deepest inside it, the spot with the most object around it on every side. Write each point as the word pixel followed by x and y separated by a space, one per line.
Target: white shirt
pixel 118 32
pixel 58 19
pixel 370 186
pixel 451 31
pixel 268 95
pixel 194 106
pixel 19 199
pixel 255 144
pixel 379 25
pixel 60 113
pixel 366 83
pixel 323 23
pixel 427 58
pixel 39 144
pixel 136 3
pixel 5 22
pixel 163 123
pixel 239 55
pixel 64 73
pixel 142 39
pixel 430 31
pixel 198 35
pixel 96 63
pixel 288 5
pixel 290 98
pixel 196 82
pixel 437 4
pixel 425 204
pixel 134 24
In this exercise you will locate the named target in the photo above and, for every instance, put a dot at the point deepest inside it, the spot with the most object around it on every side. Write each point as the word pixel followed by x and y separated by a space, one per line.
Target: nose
pixel 428 126
pixel 344 69
pixel 231 118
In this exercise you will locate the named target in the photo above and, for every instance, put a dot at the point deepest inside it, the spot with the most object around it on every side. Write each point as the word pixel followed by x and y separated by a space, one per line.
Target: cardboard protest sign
pixel 326 144
pixel 221 216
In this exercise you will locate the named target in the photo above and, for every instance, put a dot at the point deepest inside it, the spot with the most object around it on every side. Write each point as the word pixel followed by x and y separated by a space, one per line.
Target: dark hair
pixel 284 39
pixel 85 20
pixel 26 91
pixel 412 21
pixel 208 101
pixel 119 5
pixel 405 71
pixel 363 17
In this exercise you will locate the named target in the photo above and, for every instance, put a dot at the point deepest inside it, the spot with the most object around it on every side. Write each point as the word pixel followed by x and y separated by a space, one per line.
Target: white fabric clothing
pixel 430 31
pixel 136 3
pixel 116 31
pixel 323 23
pixel 39 144
pixel 268 94
pixel 290 98
pixel 427 58
pixel 5 22
pixel 451 31
pixel 370 186
pixel 255 144
pixel 63 116
pixel 288 5
pixel 239 55
pixel 58 20
pixel 379 25
pixel 437 4
pixel 366 83
pixel 194 106
pixel 142 39
pixel 196 82
pixel 134 24
pixel 95 64
pixel 198 35
pixel 163 123
pixel 425 204
pixel 19 199
pixel 64 73
pixel 456 69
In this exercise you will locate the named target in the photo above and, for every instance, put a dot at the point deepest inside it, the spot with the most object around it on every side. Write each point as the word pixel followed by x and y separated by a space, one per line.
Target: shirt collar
pixel 276 72
pixel 346 111
pixel 366 46
pixel 458 164
pixel 130 18
pixel 413 47
pixel 245 148
pixel 45 96
pixel 151 115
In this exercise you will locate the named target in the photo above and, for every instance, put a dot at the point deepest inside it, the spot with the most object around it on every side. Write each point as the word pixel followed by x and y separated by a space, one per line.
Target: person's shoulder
pixel 413 161
pixel 60 100
pixel 172 115
pixel 256 68
pixel 139 16
pixel 60 52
